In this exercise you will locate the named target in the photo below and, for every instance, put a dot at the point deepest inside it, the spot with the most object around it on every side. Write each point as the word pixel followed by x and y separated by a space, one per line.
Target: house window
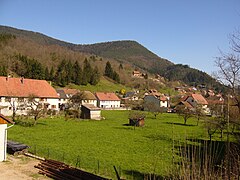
pixel 8 99
pixel 53 106
pixel 10 108
pixel 20 99
pixel 41 99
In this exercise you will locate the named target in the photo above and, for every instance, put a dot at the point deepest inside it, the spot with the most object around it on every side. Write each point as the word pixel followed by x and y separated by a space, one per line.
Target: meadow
pixel 97 146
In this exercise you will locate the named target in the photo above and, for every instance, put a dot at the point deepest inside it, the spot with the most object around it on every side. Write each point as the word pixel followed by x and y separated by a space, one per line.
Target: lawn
pixel 97 146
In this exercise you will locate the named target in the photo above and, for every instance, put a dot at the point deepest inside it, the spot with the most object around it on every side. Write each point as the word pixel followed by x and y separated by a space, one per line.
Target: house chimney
pixel 22 80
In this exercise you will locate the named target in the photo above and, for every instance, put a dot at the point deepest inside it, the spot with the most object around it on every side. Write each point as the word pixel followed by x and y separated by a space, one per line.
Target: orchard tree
pixel 184 112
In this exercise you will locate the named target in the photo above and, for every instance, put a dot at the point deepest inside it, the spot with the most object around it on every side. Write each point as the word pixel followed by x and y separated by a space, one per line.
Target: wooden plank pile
pixel 61 171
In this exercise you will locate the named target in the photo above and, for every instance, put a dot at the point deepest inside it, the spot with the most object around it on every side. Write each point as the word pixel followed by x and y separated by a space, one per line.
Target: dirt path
pixel 20 167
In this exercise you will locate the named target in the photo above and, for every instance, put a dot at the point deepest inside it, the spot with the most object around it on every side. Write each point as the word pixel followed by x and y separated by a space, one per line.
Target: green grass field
pixel 97 146
pixel 104 85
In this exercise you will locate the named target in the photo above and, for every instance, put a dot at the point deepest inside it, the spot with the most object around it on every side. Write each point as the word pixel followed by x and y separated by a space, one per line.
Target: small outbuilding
pixel 89 111
pixel 3 136
pixel 139 122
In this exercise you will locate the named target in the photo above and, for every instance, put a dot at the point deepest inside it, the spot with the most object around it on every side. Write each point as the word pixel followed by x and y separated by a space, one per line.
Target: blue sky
pixel 183 31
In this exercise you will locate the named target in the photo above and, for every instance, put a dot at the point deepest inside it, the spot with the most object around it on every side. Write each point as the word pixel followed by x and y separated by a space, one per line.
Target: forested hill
pixel 130 52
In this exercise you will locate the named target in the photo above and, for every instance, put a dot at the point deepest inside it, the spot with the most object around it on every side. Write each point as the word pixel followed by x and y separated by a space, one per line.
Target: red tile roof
pixel 71 91
pixel 199 99
pixel 20 87
pixel 187 104
pixel 107 96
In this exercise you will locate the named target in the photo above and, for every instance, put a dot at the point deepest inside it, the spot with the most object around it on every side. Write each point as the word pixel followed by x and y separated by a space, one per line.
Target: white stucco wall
pixel 109 104
pixel 3 147
pixel 93 102
pixel 95 114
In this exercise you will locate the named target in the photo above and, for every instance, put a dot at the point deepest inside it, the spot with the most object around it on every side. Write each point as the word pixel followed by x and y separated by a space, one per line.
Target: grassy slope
pixel 103 86
pixel 144 150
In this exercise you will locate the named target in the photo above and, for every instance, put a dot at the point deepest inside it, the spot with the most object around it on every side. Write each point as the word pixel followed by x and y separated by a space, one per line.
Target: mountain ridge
pixel 124 51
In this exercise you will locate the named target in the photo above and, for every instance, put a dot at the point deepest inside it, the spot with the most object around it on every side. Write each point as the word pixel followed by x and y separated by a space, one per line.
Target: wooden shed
pixel 139 122
pixel 89 111
pixel 3 136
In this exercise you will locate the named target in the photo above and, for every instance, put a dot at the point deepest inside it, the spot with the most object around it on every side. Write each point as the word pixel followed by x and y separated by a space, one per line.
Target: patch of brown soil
pixel 20 167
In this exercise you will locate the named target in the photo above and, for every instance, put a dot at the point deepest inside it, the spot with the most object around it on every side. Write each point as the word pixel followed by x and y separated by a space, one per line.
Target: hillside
pixel 50 52
pixel 127 51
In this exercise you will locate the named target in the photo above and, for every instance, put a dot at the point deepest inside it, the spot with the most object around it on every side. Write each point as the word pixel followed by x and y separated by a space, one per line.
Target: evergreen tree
pixel 4 71
pixel 77 73
pixel 108 70
pixel 87 71
pixel 51 74
pixel 47 75
pixel 120 67
pixel 95 77
pixel 68 72
pixel 116 77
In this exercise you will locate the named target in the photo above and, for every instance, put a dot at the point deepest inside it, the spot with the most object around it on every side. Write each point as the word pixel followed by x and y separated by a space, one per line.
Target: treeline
pixel 4 37
pixel 180 72
pixel 73 73
pixel 66 72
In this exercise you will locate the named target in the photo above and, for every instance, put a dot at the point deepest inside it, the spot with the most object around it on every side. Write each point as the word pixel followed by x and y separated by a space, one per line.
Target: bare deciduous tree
pixel 36 108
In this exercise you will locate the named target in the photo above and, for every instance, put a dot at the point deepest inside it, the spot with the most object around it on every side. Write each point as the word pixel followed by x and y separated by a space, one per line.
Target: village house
pixel 216 104
pixel 137 74
pixel 70 92
pixel 88 97
pixel 131 96
pixel 63 99
pixel 155 102
pixel 16 92
pixel 107 100
pixel 3 136
pixel 196 100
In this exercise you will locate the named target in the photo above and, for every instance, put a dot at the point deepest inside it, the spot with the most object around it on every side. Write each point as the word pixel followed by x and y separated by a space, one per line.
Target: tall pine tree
pixel 108 70
pixel 77 73
pixel 87 71
pixel 95 77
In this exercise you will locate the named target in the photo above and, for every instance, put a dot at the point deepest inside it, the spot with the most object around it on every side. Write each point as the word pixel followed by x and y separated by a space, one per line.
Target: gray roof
pixel 62 94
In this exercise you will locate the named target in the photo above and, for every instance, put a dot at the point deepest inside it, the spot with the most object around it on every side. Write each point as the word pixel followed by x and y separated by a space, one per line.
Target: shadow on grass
pixel 127 124
pixel 125 127
pixel 180 124
pixel 41 124
pixel 136 175
pixel 159 137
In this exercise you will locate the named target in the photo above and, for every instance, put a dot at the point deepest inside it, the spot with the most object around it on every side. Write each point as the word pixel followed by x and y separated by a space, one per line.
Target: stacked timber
pixel 61 171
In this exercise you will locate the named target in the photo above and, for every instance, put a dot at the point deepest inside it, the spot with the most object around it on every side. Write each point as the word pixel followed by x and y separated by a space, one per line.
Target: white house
pixel 15 95
pixel 107 100
pixel 195 100
pixel 155 102
pixel 3 136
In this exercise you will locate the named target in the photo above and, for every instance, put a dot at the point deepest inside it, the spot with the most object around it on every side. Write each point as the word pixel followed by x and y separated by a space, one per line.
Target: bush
pixel 24 121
